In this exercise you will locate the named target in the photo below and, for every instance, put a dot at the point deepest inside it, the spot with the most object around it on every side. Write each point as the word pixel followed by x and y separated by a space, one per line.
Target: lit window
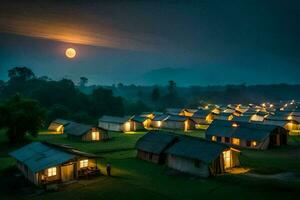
pixel 84 163
pixel 235 141
pixel 235 125
pixel 51 171
pixel 95 135
pixel 159 123
pixel 127 126
pixel 213 138
pixel 253 144
pixel 290 117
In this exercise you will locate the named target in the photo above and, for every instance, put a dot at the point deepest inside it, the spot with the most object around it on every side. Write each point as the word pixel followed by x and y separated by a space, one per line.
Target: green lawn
pixel 136 179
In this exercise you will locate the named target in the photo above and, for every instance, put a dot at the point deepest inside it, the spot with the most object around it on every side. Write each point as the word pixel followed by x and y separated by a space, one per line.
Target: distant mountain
pixel 182 76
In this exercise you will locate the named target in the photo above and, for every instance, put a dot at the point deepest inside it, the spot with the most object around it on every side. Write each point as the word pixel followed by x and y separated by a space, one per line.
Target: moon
pixel 70 53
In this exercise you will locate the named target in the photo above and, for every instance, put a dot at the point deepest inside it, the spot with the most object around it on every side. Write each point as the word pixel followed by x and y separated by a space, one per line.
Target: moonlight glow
pixel 70 53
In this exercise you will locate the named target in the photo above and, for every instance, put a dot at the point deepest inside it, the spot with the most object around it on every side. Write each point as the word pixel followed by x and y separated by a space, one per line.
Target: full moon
pixel 70 53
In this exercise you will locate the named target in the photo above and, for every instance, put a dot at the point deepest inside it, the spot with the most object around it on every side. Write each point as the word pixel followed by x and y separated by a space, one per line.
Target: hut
pixel 202 118
pixel 141 123
pixel 58 125
pixel 175 111
pixel 259 116
pixel 158 121
pixel 44 163
pixel 86 132
pixel 177 122
pixel 152 146
pixel 290 123
pixel 245 134
pixel 200 157
pixel 112 123
pixel 224 116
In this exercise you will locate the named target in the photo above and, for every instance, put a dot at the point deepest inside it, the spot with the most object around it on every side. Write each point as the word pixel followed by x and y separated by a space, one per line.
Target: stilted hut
pixel 44 163
pixel 152 146
pixel 86 132
pixel 200 157
pixel 245 134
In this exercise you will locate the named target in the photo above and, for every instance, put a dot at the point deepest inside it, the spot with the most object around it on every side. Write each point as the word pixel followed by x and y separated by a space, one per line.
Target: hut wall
pixel 155 158
pixel 52 178
pixel 155 124
pixel 174 125
pixel 27 173
pixel 188 165
pixel 111 126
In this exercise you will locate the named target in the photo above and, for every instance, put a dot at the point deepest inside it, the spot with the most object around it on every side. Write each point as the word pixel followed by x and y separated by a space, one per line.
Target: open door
pixel 67 173
pixel 227 159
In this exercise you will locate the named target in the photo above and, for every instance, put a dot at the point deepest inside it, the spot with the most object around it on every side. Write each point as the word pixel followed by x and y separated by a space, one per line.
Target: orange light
pixel 70 53
pixel 235 125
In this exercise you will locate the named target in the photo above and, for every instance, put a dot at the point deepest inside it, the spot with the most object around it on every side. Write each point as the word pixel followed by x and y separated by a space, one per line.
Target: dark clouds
pixel 132 38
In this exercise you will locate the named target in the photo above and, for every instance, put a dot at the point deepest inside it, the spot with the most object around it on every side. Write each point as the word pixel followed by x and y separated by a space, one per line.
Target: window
pixel 83 163
pixel 227 139
pixel 213 138
pixel 248 143
pixel 253 144
pixel 95 135
pixel 51 171
pixel 235 141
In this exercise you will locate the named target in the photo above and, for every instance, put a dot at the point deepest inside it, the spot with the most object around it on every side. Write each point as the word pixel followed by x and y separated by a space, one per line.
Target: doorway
pixel 67 173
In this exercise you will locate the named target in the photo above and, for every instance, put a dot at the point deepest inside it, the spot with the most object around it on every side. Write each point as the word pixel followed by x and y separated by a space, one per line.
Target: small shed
pixel 85 132
pixel 224 116
pixel 158 121
pixel 112 123
pixel 152 146
pixel 200 157
pixel 44 163
pixel 141 122
pixel 246 134
pixel 58 125
pixel 177 122
pixel 202 118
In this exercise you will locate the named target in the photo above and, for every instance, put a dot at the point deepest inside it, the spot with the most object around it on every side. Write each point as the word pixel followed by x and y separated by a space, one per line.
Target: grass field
pixel 136 179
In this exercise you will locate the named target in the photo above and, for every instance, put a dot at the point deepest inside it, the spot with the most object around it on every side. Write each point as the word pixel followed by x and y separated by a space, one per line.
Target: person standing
pixel 108 169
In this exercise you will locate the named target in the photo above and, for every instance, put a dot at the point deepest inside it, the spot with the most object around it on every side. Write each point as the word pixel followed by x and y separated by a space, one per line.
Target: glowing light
pixel 213 138
pixel 127 126
pixel 253 143
pixel 290 117
pixel 159 123
pixel 70 53
pixel 59 128
pixel 235 125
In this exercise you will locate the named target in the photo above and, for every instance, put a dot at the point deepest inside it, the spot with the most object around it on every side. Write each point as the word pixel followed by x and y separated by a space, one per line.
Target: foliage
pixel 20 116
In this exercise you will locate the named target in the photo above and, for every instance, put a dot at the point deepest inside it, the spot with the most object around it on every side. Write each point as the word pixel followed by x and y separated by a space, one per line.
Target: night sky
pixel 150 42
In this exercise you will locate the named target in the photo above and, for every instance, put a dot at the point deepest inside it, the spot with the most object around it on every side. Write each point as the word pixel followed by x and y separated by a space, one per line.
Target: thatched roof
pixel 196 148
pixel 244 130
pixel 155 142
pixel 38 156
